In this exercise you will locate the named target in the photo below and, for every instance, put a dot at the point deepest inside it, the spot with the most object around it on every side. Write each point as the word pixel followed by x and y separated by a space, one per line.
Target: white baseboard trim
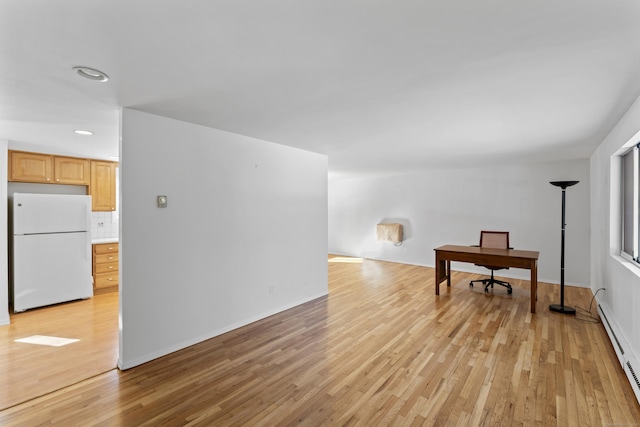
pixel 124 365
pixel 4 318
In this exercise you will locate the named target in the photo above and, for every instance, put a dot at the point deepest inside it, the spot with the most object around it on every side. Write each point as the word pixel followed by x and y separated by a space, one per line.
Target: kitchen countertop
pixel 107 240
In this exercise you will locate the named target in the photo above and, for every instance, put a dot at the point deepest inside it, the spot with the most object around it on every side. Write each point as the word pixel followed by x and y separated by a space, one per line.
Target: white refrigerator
pixel 51 249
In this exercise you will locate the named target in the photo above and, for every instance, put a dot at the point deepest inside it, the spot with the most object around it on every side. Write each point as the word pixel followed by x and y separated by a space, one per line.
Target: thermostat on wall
pixel 162 201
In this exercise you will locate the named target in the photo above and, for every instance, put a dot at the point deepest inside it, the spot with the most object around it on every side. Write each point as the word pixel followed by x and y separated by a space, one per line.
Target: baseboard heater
pixel 612 334
pixel 628 361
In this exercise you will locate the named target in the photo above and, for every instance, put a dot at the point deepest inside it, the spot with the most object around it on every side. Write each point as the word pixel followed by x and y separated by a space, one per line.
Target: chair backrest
pixel 494 239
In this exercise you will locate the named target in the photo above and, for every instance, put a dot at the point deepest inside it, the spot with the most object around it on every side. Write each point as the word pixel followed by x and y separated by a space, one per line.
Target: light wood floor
pixel 381 349
pixel 31 370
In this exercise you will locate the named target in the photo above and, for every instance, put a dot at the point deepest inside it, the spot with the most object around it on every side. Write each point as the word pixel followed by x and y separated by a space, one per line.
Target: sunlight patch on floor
pixel 46 340
pixel 346 260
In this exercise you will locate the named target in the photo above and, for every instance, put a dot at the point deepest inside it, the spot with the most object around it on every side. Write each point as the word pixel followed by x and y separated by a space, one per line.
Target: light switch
pixel 162 201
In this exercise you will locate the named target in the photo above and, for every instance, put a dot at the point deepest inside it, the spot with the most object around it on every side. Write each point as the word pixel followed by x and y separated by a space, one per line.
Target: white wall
pixel 244 235
pixel 4 263
pixel 621 279
pixel 451 207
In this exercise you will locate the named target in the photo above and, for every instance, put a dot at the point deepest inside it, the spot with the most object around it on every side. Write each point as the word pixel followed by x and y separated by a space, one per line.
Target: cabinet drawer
pixel 103 248
pixel 105 280
pixel 102 258
pixel 106 267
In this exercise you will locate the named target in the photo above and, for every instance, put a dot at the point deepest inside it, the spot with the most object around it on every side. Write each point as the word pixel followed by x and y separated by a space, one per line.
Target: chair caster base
pixel 490 282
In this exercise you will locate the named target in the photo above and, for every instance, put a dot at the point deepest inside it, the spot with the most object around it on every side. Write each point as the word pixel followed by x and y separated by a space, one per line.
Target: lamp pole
pixel 561 308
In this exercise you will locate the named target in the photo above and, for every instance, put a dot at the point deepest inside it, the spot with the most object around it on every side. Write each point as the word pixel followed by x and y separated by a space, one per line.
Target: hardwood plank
pixel 381 349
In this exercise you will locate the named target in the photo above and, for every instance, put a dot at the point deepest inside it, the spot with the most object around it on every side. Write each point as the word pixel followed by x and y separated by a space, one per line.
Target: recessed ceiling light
pixel 91 74
pixel 83 132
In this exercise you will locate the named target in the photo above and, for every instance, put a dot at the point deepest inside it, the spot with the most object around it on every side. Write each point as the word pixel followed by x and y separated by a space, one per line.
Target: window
pixel 630 203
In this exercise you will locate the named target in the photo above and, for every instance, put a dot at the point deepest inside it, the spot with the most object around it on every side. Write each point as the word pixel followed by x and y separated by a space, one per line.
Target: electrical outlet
pixel 271 289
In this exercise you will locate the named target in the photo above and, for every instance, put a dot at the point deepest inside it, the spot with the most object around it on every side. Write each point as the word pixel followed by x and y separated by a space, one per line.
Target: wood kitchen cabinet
pixel 98 175
pixel 71 170
pixel 105 267
pixel 30 167
pixel 103 186
pixel 48 169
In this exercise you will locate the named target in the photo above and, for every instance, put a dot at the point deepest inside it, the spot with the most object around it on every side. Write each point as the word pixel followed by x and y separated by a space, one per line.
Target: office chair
pixel 494 240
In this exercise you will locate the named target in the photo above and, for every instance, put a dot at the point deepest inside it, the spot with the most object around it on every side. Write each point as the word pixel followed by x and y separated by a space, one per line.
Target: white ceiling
pixel 377 85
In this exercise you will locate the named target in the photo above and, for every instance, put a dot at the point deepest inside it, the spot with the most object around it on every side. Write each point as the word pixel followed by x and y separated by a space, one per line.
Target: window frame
pixel 630 226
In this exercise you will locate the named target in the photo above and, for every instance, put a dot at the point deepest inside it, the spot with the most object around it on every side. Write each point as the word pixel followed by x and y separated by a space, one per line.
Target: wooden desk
pixel 485 256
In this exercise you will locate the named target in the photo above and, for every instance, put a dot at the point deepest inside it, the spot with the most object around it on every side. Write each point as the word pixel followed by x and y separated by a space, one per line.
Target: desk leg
pixel 443 271
pixel 438 273
pixel 534 284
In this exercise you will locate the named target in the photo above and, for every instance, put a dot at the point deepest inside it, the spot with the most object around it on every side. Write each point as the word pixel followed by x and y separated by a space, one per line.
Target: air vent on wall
pixel 633 373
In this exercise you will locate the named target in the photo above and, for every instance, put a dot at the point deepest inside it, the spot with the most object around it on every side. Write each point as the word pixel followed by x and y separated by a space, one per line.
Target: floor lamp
pixel 560 308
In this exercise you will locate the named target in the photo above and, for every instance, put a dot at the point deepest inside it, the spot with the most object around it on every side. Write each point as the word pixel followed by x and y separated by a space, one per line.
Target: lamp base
pixel 562 309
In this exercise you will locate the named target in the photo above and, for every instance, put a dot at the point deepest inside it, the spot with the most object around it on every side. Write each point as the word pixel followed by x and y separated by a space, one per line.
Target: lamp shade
pixel 563 184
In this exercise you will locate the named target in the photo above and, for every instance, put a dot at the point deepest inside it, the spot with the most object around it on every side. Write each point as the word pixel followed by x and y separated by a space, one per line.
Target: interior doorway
pixel 57 345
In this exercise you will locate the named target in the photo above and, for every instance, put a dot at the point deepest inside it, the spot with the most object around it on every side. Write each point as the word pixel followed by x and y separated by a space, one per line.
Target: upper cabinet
pixel 48 169
pixel 30 167
pixel 103 186
pixel 99 176
pixel 71 170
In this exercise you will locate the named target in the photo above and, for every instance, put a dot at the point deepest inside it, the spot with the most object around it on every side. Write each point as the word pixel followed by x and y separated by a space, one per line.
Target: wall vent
pixel 611 330
pixel 633 373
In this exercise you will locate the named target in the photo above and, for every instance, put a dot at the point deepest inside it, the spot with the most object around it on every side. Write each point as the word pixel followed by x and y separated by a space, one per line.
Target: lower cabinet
pixel 105 267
